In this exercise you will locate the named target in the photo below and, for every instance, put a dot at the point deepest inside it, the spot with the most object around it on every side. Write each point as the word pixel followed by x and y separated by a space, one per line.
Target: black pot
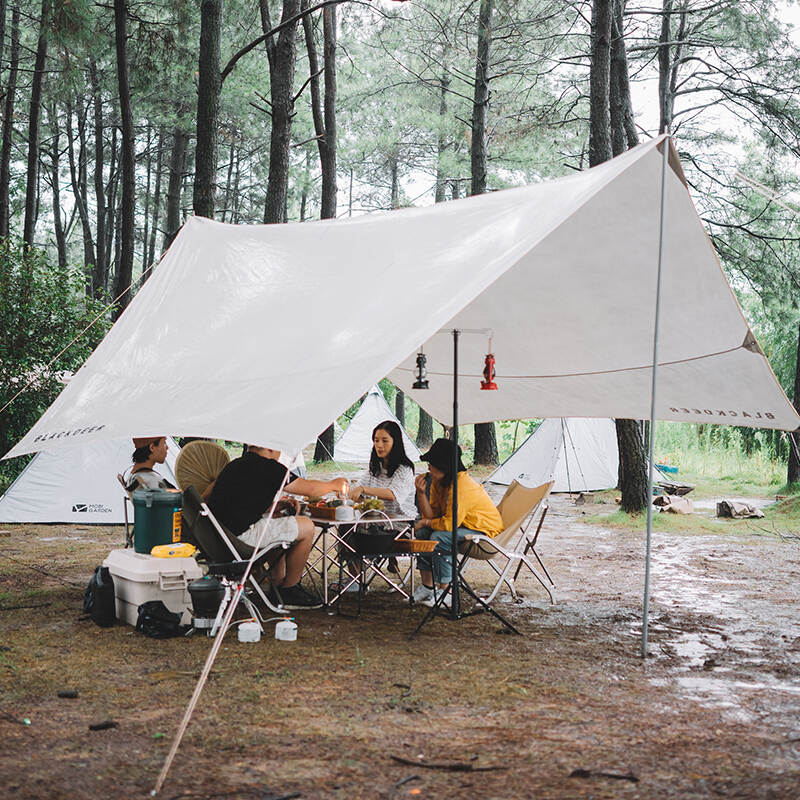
pixel 372 540
pixel 207 594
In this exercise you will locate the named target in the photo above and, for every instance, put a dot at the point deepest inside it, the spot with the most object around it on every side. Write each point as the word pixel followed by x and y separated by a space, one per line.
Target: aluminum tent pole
pixel 455 611
pixel 651 443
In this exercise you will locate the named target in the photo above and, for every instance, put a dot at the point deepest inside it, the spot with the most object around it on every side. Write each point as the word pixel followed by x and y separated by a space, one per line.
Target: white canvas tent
pixel 355 444
pixel 562 272
pixel 78 484
pixel 580 455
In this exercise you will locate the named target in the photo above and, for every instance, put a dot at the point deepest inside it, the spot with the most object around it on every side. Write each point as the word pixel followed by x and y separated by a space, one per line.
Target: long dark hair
pixel 397 455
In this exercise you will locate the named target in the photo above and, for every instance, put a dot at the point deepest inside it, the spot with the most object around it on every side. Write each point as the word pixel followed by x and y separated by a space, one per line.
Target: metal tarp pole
pixel 651 443
pixel 454 576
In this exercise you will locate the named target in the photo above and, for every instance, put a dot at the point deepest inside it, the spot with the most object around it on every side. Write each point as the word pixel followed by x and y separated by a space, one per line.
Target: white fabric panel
pixel 77 484
pixel 589 457
pixel 218 341
pixel 355 444
pixel 534 461
pixel 579 455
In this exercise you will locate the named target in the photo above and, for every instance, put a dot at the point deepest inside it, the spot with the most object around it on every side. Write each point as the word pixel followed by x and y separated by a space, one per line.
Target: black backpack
pixel 98 599
pixel 158 622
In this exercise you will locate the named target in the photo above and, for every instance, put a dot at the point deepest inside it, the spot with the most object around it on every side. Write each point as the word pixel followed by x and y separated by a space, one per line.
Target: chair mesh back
pixel 206 535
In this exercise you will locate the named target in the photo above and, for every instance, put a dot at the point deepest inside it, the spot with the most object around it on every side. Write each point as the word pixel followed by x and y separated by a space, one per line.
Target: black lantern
pixel 421 382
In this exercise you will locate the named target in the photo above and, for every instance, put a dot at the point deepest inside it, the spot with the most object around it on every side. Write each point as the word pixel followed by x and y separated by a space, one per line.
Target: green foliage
pixel 43 308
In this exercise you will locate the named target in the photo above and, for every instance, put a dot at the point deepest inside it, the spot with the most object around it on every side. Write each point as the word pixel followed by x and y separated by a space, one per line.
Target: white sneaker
pixel 444 602
pixel 422 593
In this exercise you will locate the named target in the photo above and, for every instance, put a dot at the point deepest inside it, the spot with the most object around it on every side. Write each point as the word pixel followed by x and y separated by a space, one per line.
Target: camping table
pixel 334 536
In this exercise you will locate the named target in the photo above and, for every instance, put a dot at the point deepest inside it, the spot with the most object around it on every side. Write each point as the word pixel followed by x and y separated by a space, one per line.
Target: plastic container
pixel 156 518
pixel 139 577
pixel 249 632
pixel 344 513
pixel 180 550
pixel 286 631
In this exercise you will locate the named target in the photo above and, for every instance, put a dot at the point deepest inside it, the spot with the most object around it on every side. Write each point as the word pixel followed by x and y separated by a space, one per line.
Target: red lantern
pixel 488 384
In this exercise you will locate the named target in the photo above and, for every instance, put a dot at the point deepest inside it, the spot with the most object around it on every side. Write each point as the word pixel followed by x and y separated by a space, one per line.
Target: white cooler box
pixel 139 577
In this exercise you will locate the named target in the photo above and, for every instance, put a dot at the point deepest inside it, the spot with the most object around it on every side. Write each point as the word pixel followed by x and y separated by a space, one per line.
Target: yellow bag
pixel 181 550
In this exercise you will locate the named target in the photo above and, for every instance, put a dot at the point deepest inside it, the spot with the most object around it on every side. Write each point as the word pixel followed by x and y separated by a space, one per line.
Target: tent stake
pixel 651 443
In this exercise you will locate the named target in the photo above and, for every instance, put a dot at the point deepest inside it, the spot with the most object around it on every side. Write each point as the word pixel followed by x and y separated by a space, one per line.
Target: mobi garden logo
pixel 90 508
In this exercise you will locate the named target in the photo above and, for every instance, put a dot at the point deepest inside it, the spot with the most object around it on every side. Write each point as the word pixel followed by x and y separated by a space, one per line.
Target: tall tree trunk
pixel 32 179
pixel 793 473
pixel 128 189
pixel 441 142
pixel 323 112
pixel 282 103
pixel 623 127
pixel 176 163
pixel 228 181
pixel 424 429
pixel 395 182
pixel 604 74
pixel 304 190
pixel 485 436
pixel 3 5
pixel 400 407
pixel 328 163
pixel 55 181
pixel 112 207
pixel 599 84
pixel 208 92
pixel 89 258
pixel 146 209
pixel 101 216
pixel 150 247
pixel 8 125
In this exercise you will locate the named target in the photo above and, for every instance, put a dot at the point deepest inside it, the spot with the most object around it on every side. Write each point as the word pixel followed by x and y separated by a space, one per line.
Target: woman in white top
pixel 391 473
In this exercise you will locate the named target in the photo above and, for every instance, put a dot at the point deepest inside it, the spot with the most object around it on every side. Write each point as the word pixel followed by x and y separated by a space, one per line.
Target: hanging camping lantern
pixel 421 382
pixel 488 384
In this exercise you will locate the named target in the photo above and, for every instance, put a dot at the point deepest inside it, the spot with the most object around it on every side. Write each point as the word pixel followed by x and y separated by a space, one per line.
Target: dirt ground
pixel 567 710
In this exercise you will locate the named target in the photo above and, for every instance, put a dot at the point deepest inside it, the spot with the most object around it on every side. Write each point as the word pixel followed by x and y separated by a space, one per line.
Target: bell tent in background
pixel 355 444
pixel 580 455
pixel 77 484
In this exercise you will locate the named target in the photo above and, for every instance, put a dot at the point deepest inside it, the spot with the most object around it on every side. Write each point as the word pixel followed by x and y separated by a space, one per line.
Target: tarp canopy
pixel 579 455
pixel 78 484
pixel 355 444
pixel 268 332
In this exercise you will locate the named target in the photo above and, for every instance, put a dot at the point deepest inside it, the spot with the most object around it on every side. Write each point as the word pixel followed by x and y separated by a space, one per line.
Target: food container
pixel 415 545
pixel 322 512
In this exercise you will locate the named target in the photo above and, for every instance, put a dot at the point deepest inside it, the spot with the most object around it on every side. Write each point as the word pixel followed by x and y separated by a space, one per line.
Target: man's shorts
pixel 279 530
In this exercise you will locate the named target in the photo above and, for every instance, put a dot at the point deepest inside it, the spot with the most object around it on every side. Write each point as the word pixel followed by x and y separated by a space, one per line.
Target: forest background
pixel 120 119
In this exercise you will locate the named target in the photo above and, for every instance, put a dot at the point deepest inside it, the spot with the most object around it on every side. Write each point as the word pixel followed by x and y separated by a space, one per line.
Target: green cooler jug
pixel 156 518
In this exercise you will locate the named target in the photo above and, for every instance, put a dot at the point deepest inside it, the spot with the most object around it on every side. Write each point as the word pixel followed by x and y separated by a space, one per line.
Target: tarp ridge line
pixel 581 374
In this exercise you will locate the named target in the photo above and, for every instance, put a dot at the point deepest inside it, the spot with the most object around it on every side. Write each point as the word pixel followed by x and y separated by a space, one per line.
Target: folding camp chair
pixel 517 508
pixel 128 499
pixel 220 546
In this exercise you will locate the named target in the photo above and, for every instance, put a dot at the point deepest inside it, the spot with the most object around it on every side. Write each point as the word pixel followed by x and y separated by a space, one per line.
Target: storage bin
pixel 156 518
pixel 139 577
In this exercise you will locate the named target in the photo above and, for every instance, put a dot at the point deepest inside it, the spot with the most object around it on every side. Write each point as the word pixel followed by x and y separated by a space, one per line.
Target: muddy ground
pixel 568 710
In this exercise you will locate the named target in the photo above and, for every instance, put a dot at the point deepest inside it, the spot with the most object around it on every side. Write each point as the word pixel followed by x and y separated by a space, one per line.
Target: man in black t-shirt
pixel 245 491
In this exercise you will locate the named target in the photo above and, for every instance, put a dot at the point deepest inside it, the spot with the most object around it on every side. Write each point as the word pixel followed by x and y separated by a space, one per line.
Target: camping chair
pixel 517 508
pixel 128 499
pixel 220 546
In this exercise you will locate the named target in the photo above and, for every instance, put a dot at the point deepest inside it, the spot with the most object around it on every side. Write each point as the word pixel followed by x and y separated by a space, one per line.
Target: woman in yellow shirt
pixel 476 514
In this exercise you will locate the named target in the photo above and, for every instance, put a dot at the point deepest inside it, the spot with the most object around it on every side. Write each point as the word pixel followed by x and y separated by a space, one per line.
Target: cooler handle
pixel 168 581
